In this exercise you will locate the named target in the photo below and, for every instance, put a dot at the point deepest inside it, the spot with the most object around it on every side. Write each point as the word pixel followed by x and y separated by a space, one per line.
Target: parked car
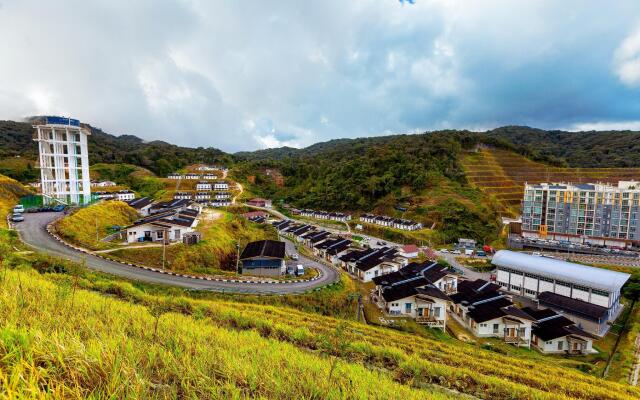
pixel 444 251
pixel 468 252
pixel 456 251
pixel 294 257
pixel 480 253
pixel 59 208
pixel 18 209
pixel 381 243
pixel 17 217
pixel 299 270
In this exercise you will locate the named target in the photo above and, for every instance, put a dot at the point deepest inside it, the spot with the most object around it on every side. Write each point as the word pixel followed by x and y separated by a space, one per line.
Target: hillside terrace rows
pixel 503 174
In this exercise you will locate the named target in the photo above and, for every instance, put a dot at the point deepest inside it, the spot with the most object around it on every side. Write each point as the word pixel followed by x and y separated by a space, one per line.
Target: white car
pixel 19 209
pixel 456 252
pixel 444 251
pixel 294 256
pixel 17 217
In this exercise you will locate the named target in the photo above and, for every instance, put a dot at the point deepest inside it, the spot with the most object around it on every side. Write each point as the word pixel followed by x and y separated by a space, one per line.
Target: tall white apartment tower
pixel 64 160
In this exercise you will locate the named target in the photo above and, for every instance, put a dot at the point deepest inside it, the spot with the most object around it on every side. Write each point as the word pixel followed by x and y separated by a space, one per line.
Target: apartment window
pixel 531 292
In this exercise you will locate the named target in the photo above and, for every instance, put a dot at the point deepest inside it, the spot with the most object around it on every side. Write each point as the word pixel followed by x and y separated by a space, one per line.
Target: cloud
pixel 627 59
pixel 255 74
pixel 605 126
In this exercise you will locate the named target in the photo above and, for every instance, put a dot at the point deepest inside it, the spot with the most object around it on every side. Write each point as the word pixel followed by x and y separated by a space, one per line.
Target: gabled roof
pixel 573 306
pixel 264 248
pixel 140 203
pixel 472 291
pixel 409 248
pixel 597 278
pixel 554 326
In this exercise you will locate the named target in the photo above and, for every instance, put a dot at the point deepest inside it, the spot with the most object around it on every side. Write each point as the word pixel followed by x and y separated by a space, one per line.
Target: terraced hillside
pixel 502 174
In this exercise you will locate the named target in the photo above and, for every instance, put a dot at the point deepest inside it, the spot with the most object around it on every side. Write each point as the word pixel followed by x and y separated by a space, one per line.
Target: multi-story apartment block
pixel 64 160
pixel 596 213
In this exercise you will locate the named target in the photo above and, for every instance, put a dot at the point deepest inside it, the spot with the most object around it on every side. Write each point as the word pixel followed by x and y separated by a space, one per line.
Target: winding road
pixel 33 232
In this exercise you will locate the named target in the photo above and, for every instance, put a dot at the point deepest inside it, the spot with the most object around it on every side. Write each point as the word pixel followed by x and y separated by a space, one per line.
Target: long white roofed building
pixel 591 295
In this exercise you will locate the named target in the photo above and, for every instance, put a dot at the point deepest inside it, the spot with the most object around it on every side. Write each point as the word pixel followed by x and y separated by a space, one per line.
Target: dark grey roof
pixel 140 203
pixel 573 306
pixel 264 248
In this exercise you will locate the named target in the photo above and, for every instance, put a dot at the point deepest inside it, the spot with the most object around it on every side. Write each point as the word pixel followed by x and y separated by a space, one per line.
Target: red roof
pixel 257 199
pixel 409 248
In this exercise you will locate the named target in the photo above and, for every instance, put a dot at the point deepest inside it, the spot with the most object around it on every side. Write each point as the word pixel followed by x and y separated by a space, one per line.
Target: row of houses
pixel 331 216
pixel 398 223
pixel 122 195
pixel 429 293
pixel 208 186
pixel 202 196
pixel 210 168
pixel 193 176
pixel 95 184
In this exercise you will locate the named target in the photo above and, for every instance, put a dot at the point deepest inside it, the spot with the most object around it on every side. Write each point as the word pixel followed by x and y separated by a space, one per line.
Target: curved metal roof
pixel 597 278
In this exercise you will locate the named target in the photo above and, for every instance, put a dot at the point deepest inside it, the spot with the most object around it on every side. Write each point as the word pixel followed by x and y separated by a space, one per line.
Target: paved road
pixel 32 232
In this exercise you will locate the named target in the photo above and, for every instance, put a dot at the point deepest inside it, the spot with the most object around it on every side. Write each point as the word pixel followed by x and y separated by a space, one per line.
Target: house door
pixel 511 332
pixel 420 311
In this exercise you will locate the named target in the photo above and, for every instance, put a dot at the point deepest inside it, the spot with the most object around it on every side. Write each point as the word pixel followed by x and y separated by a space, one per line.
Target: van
pixel 299 270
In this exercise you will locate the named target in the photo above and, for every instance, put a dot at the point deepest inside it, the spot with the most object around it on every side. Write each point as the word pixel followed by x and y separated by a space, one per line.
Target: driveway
pixel 33 232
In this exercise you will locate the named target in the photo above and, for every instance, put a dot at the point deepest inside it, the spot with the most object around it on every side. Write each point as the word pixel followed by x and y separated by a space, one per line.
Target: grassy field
pixel 10 193
pixel 81 227
pixel 501 174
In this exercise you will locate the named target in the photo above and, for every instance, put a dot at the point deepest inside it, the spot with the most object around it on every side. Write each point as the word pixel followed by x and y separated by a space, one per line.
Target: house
pixel 369 263
pixel 175 176
pixel 258 202
pixel 397 223
pixel 141 205
pixel 251 215
pixel 209 177
pixel 310 239
pixel 166 226
pixel 585 294
pixel 553 333
pixel 203 197
pixel 222 195
pixel 220 203
pixel 282 225
pixel 415 291
pixel 410 251
pixel 485 312
pixel 203 185
pixel 102 184
pixel 263 258
pixel 220 185
pixel 102 195
pixel 192 176
pixel 331 249
pixel 125 195
pixel 182 196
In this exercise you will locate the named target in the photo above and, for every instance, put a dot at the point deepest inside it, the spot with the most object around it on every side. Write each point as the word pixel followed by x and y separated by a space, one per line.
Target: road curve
pixel 33 232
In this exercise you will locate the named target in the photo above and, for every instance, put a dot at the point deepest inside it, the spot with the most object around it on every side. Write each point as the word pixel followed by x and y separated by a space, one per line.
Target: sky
pixel 243 75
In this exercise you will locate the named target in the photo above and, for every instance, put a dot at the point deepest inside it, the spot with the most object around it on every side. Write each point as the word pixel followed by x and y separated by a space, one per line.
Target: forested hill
pixel 157 156
pixel 594 149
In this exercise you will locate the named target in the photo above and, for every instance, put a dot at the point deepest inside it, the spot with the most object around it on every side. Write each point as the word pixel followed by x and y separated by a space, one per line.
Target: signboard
pixel 62 121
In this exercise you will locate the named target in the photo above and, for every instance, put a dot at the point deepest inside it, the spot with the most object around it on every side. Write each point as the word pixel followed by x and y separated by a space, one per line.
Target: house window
pixel 496 328
pixel 483 325
pixel 560 345
pixel 436 312
pixel 522 332
pixel 407 308
pixel 160 235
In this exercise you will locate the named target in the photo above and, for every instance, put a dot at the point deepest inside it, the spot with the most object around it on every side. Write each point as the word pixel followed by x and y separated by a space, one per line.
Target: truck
pixel 299 270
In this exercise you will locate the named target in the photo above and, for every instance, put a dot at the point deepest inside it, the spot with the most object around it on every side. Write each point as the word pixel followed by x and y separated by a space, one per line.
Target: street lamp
pixel 237 257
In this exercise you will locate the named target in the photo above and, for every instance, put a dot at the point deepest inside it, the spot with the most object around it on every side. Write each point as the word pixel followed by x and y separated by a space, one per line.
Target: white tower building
pixel 64 161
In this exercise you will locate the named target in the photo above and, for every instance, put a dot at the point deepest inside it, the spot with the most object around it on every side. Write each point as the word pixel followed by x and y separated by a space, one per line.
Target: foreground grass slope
pixel 69 342
pixel 76 344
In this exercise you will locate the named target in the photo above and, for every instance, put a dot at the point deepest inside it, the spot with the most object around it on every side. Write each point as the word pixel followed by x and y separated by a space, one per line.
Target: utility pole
pixel 237 257
pixel 97 236
pixel 164 246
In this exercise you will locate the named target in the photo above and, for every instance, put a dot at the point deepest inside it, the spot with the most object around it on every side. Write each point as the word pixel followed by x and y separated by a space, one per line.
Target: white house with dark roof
pixel 553 333
pixel 169 226
pixel 221 185
pixel 416 292
pixel 141 205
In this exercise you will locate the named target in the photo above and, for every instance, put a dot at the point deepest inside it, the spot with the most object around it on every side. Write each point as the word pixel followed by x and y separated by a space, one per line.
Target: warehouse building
pixel 591 295
pixel 264 258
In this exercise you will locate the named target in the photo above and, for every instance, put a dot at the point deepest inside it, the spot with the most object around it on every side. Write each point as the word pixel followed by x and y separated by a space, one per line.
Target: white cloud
pixel 627 59
pixel 605 126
